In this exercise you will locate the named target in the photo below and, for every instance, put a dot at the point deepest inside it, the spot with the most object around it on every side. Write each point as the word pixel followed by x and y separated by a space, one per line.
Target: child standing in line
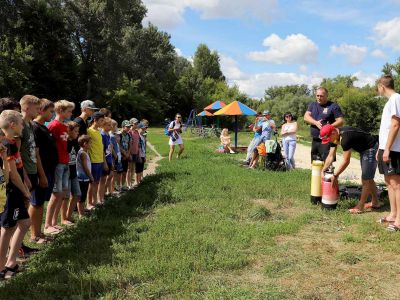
pixel 106 179
pixel 84 171
pixel 15 218
pixel 96 154
pixel 58 129
pixel 125 139
pixel 49 158
pixel 134 152
pixel 141 159
pixel 115 141
pixel 74 192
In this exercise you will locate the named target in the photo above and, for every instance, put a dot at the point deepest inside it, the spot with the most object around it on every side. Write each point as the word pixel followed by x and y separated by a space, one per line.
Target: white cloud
pixel 178 51
pixel 170 13
pixel 294 49
pixel 255 84
pixel 365 79
pixel 387 33
pixel 230 68
pixel 378 53
pixel 354 54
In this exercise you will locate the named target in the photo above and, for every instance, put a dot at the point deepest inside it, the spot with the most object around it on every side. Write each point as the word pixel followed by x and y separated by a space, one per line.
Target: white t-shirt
pixel 392 108
pixel 289 127
pixel 175 125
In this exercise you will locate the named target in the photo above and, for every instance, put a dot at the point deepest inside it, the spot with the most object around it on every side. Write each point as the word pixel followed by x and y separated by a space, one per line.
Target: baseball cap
pixel 133 121
pixel 142 125
pixel 97 115
pixel 125 123
pixel 325 133
pixel 88 104
pixel 266 113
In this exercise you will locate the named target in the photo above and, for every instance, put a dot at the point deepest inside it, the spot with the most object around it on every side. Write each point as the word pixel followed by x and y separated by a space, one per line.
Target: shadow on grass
pixel 64 270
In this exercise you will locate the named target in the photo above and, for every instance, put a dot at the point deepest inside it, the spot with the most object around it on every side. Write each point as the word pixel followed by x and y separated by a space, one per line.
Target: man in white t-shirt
pixel 175 138
pixel 388 155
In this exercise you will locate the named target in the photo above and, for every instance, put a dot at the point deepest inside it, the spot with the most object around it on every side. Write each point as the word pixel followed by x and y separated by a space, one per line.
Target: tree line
pixel 99 50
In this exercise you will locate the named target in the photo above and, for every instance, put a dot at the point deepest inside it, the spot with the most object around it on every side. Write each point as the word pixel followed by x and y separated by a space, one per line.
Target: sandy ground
pixel 352 173
pixel 152 165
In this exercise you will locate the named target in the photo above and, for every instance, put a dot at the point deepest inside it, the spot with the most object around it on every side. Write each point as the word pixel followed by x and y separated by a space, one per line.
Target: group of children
pixel 74 165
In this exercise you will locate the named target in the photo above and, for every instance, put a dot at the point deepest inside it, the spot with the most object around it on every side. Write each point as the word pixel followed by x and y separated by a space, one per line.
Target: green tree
pixel 206 63
pixel 280 91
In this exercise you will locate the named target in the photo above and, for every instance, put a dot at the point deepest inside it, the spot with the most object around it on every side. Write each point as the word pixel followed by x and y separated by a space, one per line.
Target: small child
pixel 141 158
pixel 125 141
pixel 84 171
pixel 106 179
pixel 226 140
pixel 96 154
pixel 115 141
pixel 74 192
pixel 15 214
pixel 130 180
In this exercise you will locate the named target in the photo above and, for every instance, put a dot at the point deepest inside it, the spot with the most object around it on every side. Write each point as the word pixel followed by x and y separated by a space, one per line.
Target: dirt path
pixel 352 173
pixel 152 165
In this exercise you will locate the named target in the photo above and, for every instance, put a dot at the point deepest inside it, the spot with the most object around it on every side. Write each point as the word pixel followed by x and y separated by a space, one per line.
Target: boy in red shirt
pixel 58 129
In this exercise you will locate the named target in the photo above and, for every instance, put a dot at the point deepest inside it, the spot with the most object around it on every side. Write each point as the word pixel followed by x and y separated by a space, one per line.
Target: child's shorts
pixel 140 166
pixel 73 188
pixel 97 171
pixel 118 166
pixel 125 164
pixel 108 172
pixel 61 178
pixel 84 186
pixel 14 209
pixel 44 194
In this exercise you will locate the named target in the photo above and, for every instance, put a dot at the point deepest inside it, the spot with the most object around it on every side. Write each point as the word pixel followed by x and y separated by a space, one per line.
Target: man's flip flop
pixel 370 206
pixel 384 220
pixel 393 228
pixel 355 211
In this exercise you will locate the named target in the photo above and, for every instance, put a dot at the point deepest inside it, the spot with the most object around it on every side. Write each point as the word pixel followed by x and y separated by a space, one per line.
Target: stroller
pixel 274 160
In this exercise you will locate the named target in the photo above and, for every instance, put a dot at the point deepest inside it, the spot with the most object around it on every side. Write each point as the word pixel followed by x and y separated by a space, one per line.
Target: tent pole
pixel 236 131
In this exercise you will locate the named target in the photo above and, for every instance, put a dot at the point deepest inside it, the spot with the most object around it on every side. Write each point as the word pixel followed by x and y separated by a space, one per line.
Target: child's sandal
pixel 11 272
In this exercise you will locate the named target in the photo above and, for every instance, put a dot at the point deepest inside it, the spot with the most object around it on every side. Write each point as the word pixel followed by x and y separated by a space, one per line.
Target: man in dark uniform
pixel 318 114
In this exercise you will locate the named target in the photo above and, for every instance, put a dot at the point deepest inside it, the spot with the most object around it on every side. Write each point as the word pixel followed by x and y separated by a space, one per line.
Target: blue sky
pixel 264 43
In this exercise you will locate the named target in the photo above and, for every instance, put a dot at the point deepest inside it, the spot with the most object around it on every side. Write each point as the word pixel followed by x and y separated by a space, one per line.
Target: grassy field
pixel 205 228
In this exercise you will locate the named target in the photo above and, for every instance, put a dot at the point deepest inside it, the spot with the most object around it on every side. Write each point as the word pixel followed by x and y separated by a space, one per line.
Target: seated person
pixel 226 140
pixel 367 145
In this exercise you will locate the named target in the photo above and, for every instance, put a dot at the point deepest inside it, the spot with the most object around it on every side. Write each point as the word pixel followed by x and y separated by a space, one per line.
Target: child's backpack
pixel 166 131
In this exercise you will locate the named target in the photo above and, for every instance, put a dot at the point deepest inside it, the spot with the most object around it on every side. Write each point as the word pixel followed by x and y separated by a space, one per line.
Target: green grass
pixel 205 228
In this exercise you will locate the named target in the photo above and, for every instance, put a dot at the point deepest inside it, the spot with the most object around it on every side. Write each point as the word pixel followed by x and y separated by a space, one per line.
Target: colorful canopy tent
pixel 213 107
pixel 236 109
pixel 205 113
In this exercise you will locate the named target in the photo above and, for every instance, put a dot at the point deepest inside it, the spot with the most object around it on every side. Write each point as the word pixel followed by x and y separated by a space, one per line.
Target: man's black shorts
pixel 392 167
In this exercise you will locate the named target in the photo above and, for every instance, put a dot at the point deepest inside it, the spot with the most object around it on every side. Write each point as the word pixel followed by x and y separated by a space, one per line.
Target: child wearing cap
pixel 97 158
pixel 141 159
pixel 88 107
pixel 117 157
pixel 125 141
pixel 134 152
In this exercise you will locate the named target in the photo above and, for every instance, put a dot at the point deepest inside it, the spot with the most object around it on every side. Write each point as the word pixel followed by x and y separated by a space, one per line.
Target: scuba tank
pixel 315 194
pixel 330 195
